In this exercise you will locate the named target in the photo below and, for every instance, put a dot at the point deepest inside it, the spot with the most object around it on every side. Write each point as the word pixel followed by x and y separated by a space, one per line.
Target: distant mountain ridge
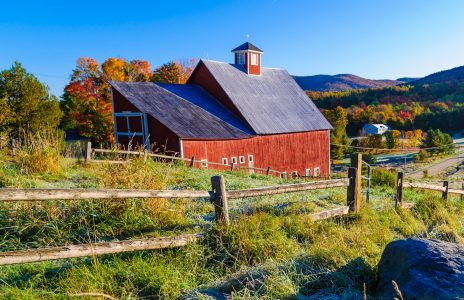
pixel 454 75
pixel 342 82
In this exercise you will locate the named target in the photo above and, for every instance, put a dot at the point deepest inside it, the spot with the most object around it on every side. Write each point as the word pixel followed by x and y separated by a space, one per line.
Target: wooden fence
pixel 219 196
pixel 190 161
pixel 444 189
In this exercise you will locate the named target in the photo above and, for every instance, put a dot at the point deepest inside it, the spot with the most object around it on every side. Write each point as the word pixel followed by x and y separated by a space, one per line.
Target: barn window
pixel 254 59
pixel 308 172
pixel 294 174
pixel 250 158
pixel 283 175
pixel 241 58
pixel 204 163
pixel 234 160
pixel 242 159
pixel 317 172
pixel 131 127
pixel 225 161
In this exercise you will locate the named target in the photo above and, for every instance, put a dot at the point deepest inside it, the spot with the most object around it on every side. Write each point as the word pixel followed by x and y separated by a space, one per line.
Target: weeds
pixel 272 250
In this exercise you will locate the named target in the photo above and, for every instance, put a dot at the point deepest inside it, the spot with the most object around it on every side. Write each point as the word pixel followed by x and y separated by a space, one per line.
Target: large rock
pixel 423 269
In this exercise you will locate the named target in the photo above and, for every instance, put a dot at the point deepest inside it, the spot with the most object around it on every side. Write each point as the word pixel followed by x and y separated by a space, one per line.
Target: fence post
pixel 399 189
pixel 269 171
pixel 232 166
pixel 445 192
pixel 88 152
pixel 368 183
pixel 192 162
pixel 351 196
pixel 462 195
pixel 220 199
pixel 356 162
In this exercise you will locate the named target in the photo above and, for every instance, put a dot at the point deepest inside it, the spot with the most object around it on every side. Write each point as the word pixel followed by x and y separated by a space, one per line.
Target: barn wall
pixel 202 77
pixel 282 152
pixel 162 139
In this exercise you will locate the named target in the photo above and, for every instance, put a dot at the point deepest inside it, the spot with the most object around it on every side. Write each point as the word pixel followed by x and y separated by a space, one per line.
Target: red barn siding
pixel 254 70
pixel 282 152
pixel 162 139
pixel 202 77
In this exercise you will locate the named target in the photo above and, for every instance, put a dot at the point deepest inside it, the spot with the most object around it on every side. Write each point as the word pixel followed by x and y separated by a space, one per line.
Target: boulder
pixel 423 269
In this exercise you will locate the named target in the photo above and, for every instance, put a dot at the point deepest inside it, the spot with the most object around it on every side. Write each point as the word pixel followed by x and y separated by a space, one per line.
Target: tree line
pixel 425 107
pixel 27 106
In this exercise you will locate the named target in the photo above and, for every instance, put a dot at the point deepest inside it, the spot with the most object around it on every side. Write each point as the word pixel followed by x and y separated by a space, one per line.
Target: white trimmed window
pixel 308 172
pixel 204 163
pixel 254 59
pixel 234 160
pixel 250 158
pixel 317 172
pixel 225 161
pixel 294 174
pixel 242 159
pixel 283 175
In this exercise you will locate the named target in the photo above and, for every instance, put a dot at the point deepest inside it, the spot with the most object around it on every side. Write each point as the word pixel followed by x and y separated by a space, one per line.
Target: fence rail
pixel 219 196
pixel 192 161
pixel 82 250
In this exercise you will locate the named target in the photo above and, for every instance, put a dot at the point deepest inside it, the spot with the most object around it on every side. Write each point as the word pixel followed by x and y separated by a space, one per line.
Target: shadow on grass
pixel 303 278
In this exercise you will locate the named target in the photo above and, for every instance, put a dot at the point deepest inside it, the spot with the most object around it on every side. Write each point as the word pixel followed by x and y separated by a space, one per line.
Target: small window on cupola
pixel 254 59
pixel 241 58
pixel 249 56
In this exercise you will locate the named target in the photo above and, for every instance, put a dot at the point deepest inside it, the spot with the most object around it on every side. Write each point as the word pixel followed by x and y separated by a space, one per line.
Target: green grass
pixel 272 249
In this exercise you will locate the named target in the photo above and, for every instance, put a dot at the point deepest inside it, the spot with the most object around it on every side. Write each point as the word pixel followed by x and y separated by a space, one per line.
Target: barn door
pixel 251 164
pixel 131 129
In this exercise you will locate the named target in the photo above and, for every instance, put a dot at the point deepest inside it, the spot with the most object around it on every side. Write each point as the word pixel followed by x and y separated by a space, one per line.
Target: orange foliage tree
pixel 174 72
pixel 87 98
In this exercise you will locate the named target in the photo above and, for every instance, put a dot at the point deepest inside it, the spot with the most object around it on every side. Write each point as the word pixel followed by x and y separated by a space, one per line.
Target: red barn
pixel 227 113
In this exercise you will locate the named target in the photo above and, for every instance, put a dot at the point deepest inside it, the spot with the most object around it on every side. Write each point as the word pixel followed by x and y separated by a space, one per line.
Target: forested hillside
pixel 434 102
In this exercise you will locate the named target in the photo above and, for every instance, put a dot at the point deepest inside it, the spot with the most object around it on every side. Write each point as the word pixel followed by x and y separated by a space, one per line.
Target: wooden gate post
pixel 399 189
pixel 88 152
pixel 192 162
pixel 445 192
pixel 268 171
pixel 356 162
pixel 368 193
pixel 232 165
pixel 220 200
pixel 351 196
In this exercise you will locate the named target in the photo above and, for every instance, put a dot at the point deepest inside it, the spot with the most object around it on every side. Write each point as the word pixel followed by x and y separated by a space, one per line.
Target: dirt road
pixel 439 166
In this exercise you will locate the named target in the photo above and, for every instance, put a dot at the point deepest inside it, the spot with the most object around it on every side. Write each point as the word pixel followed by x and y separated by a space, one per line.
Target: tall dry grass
pixel 38 152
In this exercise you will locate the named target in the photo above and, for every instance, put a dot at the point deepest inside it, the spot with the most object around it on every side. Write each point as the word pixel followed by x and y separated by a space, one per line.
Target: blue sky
pixel 374 39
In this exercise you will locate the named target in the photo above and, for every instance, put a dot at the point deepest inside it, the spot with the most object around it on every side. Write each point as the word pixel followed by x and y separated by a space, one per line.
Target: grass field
pixel 272 249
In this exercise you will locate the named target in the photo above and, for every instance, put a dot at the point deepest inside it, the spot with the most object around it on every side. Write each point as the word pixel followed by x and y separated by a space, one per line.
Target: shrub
pixel 383 177
pixel 421 156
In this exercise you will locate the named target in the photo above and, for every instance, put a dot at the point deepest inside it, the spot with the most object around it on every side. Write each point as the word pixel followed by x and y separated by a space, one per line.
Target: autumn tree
pixel 25 103
pixel 338 137
pixel 439 142
pixel 174 72
pixel 392 138
pixel 87 98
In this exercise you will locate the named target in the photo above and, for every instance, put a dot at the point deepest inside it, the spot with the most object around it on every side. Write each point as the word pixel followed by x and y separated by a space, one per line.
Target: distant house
pixel 374 129
pixel 237 113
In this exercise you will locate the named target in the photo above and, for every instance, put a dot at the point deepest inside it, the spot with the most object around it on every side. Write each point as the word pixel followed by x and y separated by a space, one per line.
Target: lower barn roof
pixel 187 110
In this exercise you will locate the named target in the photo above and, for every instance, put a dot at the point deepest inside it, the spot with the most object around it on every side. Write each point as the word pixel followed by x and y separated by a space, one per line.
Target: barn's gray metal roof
pixel 271 103
pixel 187 110
pixel 247 46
